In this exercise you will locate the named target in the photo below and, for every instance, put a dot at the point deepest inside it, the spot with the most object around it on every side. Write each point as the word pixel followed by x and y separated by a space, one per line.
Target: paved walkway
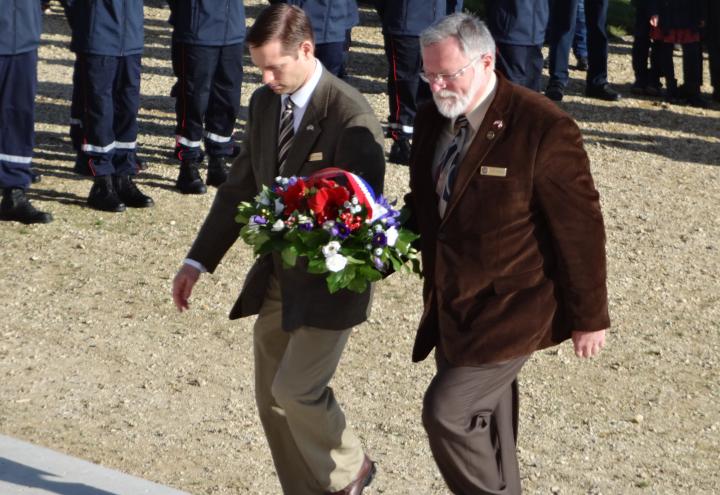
pixel 27 469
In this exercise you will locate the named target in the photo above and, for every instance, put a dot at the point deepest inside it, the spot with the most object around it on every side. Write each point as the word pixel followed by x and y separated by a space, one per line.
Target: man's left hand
pixel 588 344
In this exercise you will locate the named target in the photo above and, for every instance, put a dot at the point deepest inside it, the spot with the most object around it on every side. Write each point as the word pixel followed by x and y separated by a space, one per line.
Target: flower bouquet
pixel 337 225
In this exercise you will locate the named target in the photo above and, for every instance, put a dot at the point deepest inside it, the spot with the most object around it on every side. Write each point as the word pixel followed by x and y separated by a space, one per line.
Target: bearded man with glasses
pixel 513 248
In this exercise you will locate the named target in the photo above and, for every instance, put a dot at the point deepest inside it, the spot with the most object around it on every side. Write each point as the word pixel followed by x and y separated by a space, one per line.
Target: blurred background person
pixel 518 27
pixel 108 40
pixel 207 58
pixel 20 29
pixel 647 79
pixel 678 22
pixel 562 19
pixel 402 22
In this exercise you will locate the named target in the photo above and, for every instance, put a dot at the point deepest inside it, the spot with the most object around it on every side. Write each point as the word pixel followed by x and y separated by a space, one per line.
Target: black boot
pixel 189 181
pixel 129 193
pixel 103 196
pixel 35 176
pixel 217 171
pixel 16 207
pixel 400 151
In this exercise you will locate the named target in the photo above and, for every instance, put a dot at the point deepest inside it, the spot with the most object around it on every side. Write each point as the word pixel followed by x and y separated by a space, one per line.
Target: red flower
pixel 327 200
pixel 294 197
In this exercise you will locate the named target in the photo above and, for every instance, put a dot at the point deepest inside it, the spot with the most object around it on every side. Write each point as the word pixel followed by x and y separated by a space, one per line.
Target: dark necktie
pixel 447 169
pixel 286 134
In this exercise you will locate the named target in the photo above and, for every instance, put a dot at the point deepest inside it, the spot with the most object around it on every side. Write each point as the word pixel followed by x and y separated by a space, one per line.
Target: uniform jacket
pixel 208 22
pixel 518 22
pixel 677 14
pixel 339 126
pixel 106 27
pixel 518 261
pixel 410 17
pixel 329 18
pixel 20 26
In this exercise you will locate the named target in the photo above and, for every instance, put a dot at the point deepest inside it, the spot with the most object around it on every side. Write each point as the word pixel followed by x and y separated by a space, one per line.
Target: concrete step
pixel 26 469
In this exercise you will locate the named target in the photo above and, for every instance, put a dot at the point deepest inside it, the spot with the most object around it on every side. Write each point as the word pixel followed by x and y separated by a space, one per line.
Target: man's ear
pixel 307 48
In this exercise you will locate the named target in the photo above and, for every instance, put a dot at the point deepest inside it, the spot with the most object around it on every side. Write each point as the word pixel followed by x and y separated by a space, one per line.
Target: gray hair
pixel 471 33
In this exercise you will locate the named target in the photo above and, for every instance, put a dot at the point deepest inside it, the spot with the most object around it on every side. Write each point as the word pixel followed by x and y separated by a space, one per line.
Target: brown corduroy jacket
pixel 518 261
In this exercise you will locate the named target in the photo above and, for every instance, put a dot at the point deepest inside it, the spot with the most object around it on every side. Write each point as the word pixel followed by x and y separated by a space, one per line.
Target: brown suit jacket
pixel 517 262
pixel 339 126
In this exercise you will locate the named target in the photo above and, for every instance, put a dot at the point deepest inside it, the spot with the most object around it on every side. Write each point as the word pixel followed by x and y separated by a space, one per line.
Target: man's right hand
pixel 183 284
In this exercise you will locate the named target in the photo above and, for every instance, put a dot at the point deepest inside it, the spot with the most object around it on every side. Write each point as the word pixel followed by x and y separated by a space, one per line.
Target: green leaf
pixel 289 255
pixel 317 266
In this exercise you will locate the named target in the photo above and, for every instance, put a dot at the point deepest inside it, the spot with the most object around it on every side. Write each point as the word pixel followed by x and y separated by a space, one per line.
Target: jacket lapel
pixel 267 169
pixel 487 135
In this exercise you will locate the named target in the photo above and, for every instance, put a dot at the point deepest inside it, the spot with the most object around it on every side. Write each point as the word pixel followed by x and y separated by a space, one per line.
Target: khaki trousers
pixel 470 416
pixel 313 449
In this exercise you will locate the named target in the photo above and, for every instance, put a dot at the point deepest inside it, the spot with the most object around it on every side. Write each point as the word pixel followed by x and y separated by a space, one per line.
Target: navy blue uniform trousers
pixel 109 98
pixel 18 84
pixel 207 97
pixel 406 91
pixel 521 64
pixel 563 14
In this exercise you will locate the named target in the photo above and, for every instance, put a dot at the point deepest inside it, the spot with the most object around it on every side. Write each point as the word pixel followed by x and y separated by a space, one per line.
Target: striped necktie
pixel 286 134
pixel 447 169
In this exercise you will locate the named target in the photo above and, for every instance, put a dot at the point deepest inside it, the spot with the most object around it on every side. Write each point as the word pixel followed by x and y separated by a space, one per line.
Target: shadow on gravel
pixel 64 198
pixel 25 477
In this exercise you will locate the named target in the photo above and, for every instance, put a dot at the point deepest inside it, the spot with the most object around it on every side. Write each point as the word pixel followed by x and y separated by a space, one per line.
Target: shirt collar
pixel 477 114
pixel 302 95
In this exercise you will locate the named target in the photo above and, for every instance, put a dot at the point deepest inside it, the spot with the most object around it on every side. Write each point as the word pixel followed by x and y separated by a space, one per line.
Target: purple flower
pixel 292 180
pixel 379 239
pixel 378 263
pixel 258 220
pixel 308 226
pixel 342 231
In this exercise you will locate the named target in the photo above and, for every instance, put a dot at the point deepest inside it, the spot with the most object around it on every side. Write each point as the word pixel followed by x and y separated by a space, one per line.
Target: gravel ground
pixel 95 361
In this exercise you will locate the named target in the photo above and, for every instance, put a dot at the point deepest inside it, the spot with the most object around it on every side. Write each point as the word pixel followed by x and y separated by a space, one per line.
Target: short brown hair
pixel 283 22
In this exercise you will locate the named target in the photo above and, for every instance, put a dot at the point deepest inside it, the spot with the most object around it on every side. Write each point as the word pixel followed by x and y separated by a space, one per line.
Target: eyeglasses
pixel 446 78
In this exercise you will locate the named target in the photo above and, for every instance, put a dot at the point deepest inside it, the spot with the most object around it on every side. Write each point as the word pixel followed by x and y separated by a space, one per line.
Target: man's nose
pixel 267 77
pixel 437 85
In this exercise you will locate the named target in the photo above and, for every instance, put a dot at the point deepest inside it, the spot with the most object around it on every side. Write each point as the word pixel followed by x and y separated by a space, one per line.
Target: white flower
pixel 279 206
pixel 355 200
pixel 378 252
pixel 391 236
pixel 331 249
pixel 263 199
pixel 336 262
pixel 278 226
pixel 378 228
pixel 347 205
pixel 329 224
pixel 378 211
pixel 356 209
pixel 368 247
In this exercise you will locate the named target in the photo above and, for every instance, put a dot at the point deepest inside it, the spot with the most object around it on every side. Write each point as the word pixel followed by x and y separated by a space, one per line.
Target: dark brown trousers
pixel 470 415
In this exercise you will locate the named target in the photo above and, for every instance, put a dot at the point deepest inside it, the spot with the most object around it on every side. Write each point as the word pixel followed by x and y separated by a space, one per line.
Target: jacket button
pixel 490 135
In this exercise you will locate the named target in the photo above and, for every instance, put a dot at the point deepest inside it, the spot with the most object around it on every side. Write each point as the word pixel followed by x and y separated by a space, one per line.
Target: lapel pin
pixel 498 123
pixel 310 127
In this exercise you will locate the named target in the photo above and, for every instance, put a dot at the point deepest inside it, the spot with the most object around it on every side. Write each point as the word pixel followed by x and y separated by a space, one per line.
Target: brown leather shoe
pixel 363 479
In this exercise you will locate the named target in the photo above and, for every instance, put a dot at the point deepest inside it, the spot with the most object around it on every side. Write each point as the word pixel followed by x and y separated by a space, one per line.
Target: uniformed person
pixel 207 57
pixel 107 38
pixel 20 28
pixel 402 23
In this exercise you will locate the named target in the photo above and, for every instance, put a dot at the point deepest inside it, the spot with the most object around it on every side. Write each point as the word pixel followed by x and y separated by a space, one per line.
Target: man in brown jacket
pixel 513 249
pixel 301 329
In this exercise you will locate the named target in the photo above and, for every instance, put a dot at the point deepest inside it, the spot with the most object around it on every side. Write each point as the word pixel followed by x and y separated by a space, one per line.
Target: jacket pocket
pixel 519 281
